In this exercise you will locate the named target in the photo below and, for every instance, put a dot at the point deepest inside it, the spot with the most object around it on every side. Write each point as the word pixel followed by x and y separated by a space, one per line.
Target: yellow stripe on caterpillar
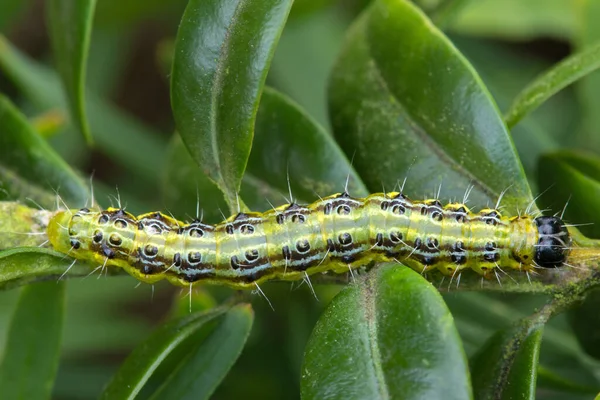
pixel 336 233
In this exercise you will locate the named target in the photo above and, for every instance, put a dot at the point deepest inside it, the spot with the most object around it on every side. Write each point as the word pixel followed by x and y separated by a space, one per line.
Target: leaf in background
pixel 116 133
pixel 199 375
pixel 518 19
pixel 287 140
pixel 119 15
pixel 70 23
pixel 9 12
pixel 389 336
pixel 506 71
pixel 478 316
pixel 585 322
pixel 442 12
pixel 308 65
pixel 222 55
pixel 506 367
pixel 148 355
pixel 27 155
pixel 33 345
pixel 403 98
pixel 574 178
pixel 550 82
pixel 589 87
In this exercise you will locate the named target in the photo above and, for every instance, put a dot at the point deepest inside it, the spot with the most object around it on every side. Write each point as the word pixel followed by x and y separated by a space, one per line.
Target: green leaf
pixel 517 19
pixel 187 191
pixel 27 155
pixel 288 141
pixel 309 65
pixel 10 11
pixel 550 82
pixel 409 104
pixel 199 375
pixel 115 133
pixel 585 322
pixel 479 316
pixel 24 265
pixel 390 336
pixel 33 345
pixel 222 55
pixel 506 366
pixel 70 23
pixel 573 178
pixel 505 71
pixel 588 88
pixel 148 355
pixel 119 15
pixel 442 12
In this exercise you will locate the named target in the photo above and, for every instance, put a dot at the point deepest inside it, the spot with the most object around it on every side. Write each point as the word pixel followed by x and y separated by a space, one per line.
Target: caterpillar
pixel 337 234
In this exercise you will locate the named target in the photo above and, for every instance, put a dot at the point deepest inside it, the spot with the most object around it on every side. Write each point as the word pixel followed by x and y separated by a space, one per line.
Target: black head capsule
pixel 553 243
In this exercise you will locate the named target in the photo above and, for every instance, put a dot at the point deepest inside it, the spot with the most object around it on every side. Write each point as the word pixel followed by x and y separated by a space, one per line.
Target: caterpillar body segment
pixel 338 233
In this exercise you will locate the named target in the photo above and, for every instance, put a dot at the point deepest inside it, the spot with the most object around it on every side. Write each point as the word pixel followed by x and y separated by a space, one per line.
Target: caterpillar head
pixel 553 243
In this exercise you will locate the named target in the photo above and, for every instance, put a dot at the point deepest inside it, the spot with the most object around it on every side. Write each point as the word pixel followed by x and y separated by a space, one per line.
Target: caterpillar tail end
pixel 58 231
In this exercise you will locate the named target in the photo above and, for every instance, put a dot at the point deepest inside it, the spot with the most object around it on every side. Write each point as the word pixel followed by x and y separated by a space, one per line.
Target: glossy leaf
pixel 288 141
pixel 506 366
pixel 557 78
pixel 32 350
pixel 27 155
pixel 389 336
pixel 222 55
pixel 70 23
pixel 198 376
pixel 573 178
pixel 517 19
pixel 420 111
pixel 148 355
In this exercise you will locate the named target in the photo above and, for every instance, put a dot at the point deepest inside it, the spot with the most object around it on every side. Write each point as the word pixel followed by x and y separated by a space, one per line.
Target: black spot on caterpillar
pixel 337 234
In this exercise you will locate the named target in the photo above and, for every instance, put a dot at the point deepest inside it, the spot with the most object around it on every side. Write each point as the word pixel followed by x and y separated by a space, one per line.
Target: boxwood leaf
pixel 222 55
pixel 389 336
pixel 407 102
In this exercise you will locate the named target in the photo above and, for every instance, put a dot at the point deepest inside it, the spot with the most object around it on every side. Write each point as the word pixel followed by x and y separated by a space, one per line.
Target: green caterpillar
pixel 337 233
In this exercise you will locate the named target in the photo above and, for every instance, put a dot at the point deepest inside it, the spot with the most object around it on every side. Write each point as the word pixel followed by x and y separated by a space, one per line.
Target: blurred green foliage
pixel 314 109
